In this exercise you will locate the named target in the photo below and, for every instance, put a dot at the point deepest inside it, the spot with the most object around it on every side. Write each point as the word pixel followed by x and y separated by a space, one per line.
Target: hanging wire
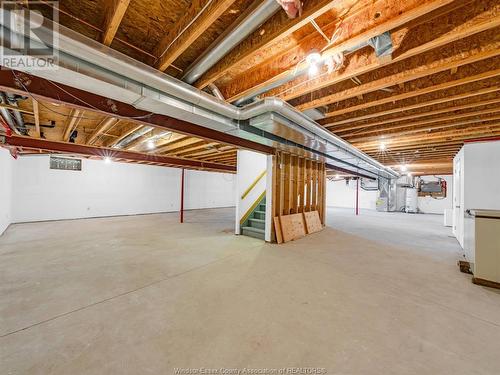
pixel 335 36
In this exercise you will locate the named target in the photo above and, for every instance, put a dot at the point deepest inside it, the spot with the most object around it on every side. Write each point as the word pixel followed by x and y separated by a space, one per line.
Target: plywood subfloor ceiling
pixel 416 107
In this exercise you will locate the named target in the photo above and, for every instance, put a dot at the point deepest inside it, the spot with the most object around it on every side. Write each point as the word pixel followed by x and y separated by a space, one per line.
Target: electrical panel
pixel 434 189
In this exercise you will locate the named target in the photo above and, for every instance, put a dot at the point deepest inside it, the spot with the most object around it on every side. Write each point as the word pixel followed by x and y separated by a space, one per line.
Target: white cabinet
pixel 483 243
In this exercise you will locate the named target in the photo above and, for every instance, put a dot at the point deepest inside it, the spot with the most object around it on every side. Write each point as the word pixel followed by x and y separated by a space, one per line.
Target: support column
pixel 182 196
pixel 357 196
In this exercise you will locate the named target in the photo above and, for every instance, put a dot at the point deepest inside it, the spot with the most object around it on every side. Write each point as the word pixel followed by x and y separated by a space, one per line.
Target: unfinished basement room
pixel 250 187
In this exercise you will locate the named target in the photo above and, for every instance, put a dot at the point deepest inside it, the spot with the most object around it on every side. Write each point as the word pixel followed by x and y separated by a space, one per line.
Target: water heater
pixel 411 200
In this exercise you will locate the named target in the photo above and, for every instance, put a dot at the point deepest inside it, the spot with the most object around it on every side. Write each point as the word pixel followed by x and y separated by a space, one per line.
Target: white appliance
pixel 483 245
pixel 476 186
pixel 411 205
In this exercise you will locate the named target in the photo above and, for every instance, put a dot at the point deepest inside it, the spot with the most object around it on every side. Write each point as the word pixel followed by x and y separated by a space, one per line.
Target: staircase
pixel 255 224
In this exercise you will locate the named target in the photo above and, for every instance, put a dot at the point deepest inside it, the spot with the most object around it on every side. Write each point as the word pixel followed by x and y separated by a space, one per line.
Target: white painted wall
pixel 209 190
pixel 103 189
pixel 6 163
pixel 338 194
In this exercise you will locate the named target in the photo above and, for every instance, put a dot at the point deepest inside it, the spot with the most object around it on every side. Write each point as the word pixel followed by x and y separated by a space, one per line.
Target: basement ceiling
pixel 416 107
pixel 56 122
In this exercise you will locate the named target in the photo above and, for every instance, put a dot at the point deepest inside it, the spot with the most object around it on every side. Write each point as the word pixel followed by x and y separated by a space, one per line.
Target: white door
pixel 457 197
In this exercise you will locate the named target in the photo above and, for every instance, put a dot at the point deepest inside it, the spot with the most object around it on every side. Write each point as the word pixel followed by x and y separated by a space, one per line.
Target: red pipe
pixel 357 196
pixel 182 196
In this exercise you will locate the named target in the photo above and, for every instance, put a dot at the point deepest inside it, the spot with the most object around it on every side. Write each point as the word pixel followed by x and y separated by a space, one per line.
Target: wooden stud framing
pixel 36 114
pixel 185 31
pixel 298 185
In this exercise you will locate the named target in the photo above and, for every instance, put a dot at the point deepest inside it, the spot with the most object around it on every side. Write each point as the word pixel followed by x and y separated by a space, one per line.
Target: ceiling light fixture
pixel 151 144
pixel 404 167
pixel 382 146
pixel 314 57
pixel 313 60
pixel 107 160
pixel 313 70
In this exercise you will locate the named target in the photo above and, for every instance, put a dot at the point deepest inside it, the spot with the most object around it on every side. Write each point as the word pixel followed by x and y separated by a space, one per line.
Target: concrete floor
pixel 145 295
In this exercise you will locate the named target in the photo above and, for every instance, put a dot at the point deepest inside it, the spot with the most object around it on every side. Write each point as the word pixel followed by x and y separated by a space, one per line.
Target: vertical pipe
pixel 182 196
pixel 357 196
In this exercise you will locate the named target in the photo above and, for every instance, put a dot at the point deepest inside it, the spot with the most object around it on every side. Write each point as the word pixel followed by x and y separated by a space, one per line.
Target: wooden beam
pixel 36 115
pixel 413 93
pixel 405 157
pixel 444 137
pixel 190 150
pixel 192 24
pixel 368 128
pixel 420 126
pixel 124 135
pixel 114 12
pixel 276 28
pixel 156 135
pixel 181 146
pixel 14 108
pixel 74 117
pixel 478 17
pixel 403 108
pixel 485 48
pixel 212 151
pixel 105 124
pixel 168 144
pixel 416 146
pixel 220 155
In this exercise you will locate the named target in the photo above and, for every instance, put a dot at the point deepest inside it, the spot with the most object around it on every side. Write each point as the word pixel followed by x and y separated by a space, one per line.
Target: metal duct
pixel 90 66
pixel 17 115
pixel 215 90
pixel 132 137
pixel 222 46
pixel 7 116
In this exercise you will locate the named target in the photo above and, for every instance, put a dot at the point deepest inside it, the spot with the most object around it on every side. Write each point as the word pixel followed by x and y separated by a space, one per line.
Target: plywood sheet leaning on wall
pixel 277 229
pixel 292 227
pixel 298 187
pixel 313 222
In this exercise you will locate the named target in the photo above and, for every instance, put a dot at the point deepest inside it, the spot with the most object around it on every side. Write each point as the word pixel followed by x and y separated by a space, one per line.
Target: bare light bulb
pixel 107 160
pixel 313 70
pixel 150 144
pixel 382 146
